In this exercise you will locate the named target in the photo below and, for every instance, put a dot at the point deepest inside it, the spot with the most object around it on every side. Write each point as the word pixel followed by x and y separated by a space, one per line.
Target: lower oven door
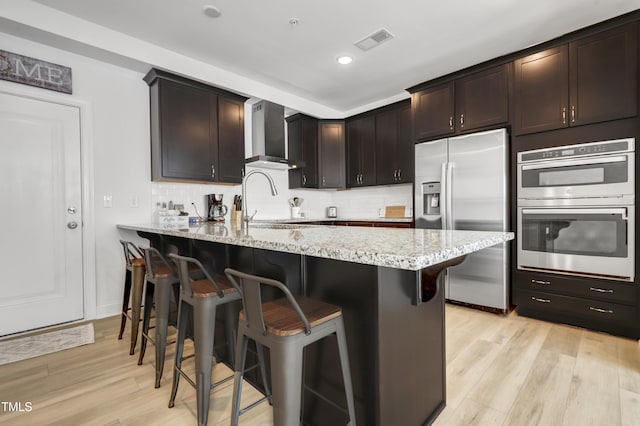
pixel 591 241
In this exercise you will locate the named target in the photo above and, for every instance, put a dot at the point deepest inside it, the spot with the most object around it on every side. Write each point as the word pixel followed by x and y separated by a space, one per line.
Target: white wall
pixel 118 103
pixel 117 100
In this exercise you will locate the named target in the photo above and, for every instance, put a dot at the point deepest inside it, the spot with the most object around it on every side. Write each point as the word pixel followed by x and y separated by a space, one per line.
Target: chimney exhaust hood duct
pixel 267 123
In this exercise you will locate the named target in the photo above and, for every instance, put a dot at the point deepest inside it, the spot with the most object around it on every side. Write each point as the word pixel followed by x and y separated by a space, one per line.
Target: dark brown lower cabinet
pixel 602 305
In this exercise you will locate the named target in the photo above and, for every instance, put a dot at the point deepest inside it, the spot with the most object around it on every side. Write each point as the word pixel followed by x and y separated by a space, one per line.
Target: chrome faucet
pixel 245 217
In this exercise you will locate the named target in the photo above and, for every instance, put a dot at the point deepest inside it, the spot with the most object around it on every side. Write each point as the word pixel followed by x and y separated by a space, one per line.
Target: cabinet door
pixel 432 110
pixel 361 152
pixel 386 144
pixel 482 99
pixel 405 145
pixel 603 76
pixel 541 91
pixel 331 148
pixel 302 142
pixel 353 153
pixel 294 151
pixel 188 132
pixel 230 140
pixel 309 135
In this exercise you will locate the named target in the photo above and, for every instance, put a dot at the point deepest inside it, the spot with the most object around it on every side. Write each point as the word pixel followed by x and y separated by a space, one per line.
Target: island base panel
pixel 396 349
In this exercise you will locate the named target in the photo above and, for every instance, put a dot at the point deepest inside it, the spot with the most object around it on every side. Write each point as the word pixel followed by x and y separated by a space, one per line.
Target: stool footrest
pixel 324 398
pixel 253 405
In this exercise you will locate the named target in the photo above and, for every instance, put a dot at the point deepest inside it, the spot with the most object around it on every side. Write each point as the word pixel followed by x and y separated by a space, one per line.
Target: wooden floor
pixel 500 371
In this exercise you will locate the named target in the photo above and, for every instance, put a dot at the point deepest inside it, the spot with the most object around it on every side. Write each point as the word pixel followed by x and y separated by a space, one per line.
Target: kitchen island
pixel 385 280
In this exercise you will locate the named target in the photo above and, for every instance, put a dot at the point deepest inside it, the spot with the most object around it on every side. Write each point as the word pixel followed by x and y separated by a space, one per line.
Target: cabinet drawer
pixel 577 307
pixel 609 291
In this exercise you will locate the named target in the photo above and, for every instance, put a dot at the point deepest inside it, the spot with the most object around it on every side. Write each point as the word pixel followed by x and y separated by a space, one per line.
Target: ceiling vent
pixel 373 40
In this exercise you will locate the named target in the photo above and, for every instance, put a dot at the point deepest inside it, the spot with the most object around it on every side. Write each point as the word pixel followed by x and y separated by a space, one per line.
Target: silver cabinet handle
pixel 573 113
pixel 72 225
pixel 461 120
pixel 564 116
pixel 324 180
pixel 601 290
pixel 213 171
pixel 540 300
pixel 399 174
pixel 602 311
pixel 72 210
pixel 541 282
pixel 304 179
pixel 450 122
pixel 361 179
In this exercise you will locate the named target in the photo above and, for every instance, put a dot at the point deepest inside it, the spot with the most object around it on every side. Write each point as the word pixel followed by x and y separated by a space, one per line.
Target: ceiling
pixel 256 40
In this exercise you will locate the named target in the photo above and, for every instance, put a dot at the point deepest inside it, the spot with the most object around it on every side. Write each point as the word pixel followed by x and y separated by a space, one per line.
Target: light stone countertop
pixel 410 249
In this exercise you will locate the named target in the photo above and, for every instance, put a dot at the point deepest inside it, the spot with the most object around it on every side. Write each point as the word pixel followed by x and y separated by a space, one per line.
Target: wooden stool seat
pixel 205 288
pixel 282 320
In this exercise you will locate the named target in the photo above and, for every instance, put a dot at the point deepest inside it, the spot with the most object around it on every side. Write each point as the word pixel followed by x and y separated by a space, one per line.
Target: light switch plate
pixel 108 201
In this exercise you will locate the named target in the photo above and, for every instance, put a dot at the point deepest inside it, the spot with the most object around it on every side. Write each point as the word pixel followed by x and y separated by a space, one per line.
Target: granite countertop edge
pixel 337 243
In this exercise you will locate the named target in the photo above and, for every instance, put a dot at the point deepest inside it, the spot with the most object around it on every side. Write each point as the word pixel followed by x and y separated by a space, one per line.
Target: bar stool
pixel 199 297
pixel 133 288
pixel 285 326
pixel 160 279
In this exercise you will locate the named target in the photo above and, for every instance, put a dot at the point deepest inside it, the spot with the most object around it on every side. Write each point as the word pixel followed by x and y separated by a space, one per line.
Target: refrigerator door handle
pixel 449 195
pixel 444 195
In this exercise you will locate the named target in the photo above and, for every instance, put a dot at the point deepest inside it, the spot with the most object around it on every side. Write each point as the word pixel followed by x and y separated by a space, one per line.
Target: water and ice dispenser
pixel 431 198
pixel 430 216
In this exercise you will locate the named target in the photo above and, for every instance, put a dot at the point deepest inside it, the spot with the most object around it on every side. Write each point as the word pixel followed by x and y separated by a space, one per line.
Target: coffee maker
pixel 215 209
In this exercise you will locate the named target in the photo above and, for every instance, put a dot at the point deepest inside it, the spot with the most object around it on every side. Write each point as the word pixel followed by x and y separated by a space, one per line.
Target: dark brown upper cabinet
pixel 361 152
pixel 302 140
pixel 472 102
pixel 590 80
pixel 433 111
pixel 197 131
pixel 482 99
pixel 394 145
pixel 331 154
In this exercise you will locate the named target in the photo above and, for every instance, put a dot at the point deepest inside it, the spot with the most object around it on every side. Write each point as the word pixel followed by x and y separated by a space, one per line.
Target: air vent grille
pixel 373 40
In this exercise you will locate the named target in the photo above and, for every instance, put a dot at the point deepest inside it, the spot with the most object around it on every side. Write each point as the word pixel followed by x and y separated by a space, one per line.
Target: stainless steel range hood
pixel 268 142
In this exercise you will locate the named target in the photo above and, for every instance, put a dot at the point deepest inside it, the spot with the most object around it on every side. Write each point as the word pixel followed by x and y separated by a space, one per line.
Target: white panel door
pixel 40 187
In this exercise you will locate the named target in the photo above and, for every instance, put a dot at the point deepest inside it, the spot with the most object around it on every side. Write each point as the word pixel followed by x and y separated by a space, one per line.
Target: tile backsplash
pixel 358 203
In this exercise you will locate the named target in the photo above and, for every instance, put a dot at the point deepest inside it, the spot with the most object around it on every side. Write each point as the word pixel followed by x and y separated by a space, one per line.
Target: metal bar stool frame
pixel 133 290
pixel 286 349
pixel 200 298
pixel 161 278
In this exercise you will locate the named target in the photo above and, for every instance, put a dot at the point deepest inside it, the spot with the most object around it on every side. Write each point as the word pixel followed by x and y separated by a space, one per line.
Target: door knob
pixel 72 210
pixel 72 225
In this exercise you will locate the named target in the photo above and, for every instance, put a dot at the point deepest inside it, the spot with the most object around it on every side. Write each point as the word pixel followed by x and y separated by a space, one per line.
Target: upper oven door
pixel 590 241
pixel 594 176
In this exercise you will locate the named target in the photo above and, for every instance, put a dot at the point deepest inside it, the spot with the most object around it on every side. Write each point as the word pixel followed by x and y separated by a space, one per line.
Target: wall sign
pixel 34 72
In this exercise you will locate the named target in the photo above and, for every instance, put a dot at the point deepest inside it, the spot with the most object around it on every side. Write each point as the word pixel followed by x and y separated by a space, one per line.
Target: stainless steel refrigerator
pixel 462 183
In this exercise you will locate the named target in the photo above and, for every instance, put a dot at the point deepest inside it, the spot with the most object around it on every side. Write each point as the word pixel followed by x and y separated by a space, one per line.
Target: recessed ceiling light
pixel 344 60
pixel 211 11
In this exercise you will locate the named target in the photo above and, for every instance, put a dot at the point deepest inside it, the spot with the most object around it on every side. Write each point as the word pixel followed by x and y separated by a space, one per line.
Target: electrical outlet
pixel 107 201
pixel 133 201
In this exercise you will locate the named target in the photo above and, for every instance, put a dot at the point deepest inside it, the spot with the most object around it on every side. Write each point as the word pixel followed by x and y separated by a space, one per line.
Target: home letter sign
pixel 34 72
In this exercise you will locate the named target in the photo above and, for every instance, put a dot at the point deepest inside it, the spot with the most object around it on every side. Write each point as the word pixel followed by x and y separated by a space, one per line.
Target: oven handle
pixel 578 162
pixel 622 211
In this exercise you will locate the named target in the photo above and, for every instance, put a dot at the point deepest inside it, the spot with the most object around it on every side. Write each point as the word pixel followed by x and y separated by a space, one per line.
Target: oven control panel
pixel 595 148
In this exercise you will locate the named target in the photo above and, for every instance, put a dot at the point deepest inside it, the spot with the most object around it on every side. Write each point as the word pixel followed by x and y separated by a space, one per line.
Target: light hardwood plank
pixel 594 396
pixel 501 370
pixel 503 378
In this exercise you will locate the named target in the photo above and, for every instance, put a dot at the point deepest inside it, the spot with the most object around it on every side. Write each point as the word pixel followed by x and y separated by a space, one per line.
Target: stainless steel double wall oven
pixel 576 210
